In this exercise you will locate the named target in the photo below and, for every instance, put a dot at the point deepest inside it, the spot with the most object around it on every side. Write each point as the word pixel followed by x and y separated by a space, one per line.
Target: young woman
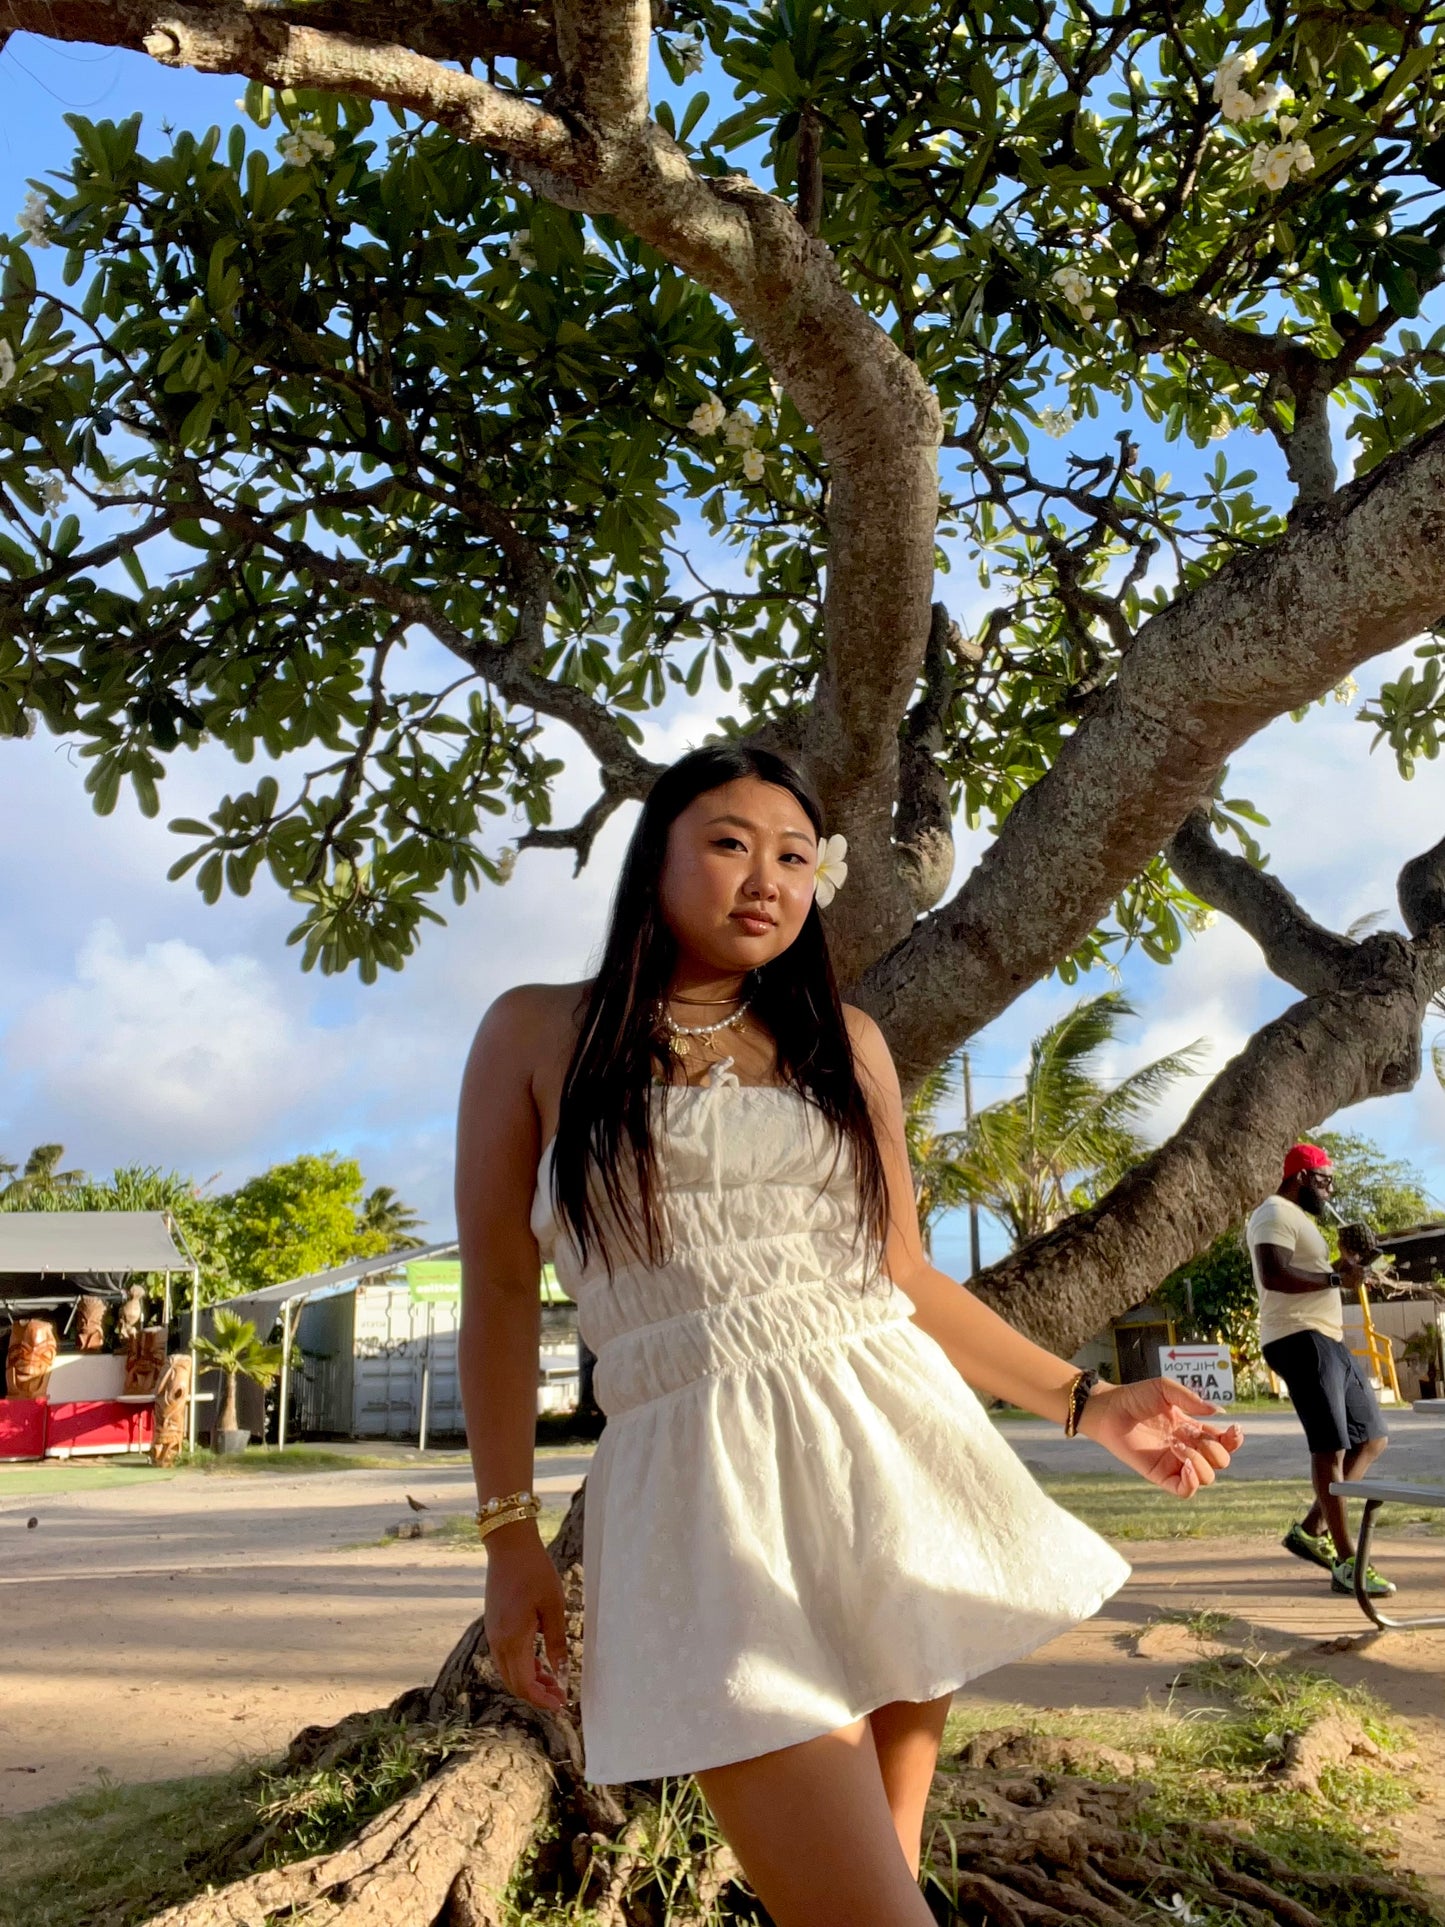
pixel 802 1530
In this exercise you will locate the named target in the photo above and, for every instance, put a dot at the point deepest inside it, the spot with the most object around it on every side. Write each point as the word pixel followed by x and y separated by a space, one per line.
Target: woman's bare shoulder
pixel 534 1022
pixel 871 1054
pixel 533 1029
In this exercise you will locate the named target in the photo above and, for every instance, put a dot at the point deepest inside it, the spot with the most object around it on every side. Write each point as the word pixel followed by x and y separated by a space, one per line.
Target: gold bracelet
pixel 506 1510
pixel 510 1517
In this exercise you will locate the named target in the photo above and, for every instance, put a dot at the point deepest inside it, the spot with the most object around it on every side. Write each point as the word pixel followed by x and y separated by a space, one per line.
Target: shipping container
pixel 364 1355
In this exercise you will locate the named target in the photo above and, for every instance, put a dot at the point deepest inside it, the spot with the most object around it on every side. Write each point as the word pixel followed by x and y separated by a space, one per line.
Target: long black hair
pixel 622 1050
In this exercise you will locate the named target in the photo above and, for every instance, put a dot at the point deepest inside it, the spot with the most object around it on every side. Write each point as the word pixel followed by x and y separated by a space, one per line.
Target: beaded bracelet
pixel 1078 1396
pixel 506 1511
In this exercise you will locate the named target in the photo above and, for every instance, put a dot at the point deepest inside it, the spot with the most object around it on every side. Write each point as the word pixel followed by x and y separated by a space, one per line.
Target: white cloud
pixel 163 1047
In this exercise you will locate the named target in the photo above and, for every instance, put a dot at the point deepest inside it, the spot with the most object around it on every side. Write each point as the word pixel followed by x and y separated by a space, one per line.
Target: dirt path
pixel 155 1630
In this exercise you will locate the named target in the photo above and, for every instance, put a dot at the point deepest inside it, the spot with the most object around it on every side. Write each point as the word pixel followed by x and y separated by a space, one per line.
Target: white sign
pixel 1206 1369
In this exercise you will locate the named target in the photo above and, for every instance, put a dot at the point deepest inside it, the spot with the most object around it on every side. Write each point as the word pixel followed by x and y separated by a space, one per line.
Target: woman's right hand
pixel 524 1597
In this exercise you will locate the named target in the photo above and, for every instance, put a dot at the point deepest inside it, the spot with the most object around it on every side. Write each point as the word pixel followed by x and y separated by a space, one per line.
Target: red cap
pixel 1306 1157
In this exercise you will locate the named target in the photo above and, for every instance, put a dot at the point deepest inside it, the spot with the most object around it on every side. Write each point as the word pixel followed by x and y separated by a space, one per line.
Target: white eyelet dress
pixel 798 1510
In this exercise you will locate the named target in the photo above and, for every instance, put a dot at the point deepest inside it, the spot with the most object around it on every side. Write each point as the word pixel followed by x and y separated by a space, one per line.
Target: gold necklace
pixel 679 1036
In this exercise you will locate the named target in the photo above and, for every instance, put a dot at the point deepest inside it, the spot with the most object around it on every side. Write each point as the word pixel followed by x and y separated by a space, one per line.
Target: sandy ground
pixel 159 1629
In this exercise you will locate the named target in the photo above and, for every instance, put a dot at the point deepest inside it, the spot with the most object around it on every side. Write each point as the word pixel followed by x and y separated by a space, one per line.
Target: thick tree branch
pixel 923 828
pixel 461 30
pixel 1421 891
pixel 1352 578
pixel 1359 1040
pixel 602 48
pixel 261 45
pixel 1295 947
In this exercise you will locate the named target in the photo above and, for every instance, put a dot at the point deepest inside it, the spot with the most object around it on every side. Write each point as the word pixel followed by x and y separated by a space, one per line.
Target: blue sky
pixel 136 1024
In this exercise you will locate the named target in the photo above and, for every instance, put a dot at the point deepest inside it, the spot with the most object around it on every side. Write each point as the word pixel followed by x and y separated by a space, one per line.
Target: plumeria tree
pixel 825 351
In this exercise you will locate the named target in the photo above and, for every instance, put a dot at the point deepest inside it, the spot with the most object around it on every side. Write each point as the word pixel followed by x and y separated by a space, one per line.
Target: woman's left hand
pixel 1153 1427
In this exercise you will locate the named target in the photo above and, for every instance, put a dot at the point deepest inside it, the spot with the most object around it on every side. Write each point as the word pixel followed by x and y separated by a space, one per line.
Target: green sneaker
pixel 1342 1579
pixel 1314 1546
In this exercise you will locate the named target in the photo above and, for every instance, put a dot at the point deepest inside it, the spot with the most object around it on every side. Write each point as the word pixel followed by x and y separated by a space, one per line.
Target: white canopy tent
pixel 275 1302
pixel 73 1243
pixel 93 1245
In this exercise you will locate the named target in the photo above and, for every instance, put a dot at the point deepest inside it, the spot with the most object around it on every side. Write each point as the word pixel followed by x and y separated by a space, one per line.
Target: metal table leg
pixel 1362 1566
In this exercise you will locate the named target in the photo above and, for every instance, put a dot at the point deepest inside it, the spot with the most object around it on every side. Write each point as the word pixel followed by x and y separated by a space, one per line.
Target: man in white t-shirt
pixel 1301 1334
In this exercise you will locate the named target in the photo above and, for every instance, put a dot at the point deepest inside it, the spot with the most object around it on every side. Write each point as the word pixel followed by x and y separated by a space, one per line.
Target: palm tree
pixel 41 1172
pixel 234 1350
pixel 383 1213
pixel 1032 1159
pixel 937 1182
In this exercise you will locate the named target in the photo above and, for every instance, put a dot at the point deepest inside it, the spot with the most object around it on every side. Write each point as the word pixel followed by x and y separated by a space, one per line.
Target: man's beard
pixel 1312 1202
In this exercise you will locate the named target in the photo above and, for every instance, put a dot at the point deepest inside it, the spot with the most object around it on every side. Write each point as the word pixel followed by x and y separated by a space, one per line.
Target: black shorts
pixel 1335 1401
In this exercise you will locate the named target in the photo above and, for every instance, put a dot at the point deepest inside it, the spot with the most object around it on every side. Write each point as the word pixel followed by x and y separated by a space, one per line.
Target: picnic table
pixel 1375 1493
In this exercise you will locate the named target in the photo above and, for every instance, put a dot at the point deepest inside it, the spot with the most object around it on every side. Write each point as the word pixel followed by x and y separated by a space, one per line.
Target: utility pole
pixel 973 1258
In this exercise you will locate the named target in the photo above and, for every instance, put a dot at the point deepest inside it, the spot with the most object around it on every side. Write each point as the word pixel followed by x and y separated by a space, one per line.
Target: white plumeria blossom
pixel 1180 1908
pixel 1076 288
pixel 1231 73
pixel 519 248
pixel 832 870
pixel 708 417
pixel 1346 690
pixel 1056 421
pixel 52 493
pixel 1238 105
pixel 1287 124
pixel 1275 165
pixel 34 219
pixel 687 51
pixel 7 364
pixel 305 144
pixel 753 465
pixel 739 429
pixel 1270 97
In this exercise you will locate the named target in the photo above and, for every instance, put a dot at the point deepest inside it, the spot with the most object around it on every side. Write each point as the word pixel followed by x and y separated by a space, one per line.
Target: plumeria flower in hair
pixel 832 871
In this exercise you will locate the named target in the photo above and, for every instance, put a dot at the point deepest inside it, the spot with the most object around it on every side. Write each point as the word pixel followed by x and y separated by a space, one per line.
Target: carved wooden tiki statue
pixel 145 1360
pixel 172 1393
pixel 90 1323
pixel 29 1358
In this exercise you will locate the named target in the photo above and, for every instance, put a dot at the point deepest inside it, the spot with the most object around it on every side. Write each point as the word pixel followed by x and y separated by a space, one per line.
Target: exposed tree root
pixel 1025 1834
pixel 1022 1845
pixel 476 1817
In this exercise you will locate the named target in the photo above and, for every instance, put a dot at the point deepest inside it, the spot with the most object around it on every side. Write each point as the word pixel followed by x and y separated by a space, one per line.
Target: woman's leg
pixel 906 1734
pixel 815 1833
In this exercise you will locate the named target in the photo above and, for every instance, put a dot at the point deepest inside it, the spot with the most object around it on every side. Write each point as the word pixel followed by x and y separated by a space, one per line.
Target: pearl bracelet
pixel 506 1511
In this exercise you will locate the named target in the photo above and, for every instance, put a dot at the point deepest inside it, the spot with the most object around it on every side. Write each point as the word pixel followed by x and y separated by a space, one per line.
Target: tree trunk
pixel 228 1421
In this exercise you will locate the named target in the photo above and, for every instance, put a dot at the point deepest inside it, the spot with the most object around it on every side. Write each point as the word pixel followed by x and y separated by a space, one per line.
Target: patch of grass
pixel 45 1478
pixel 119 1853
pixel 1202 1622
pixel 288 1458
pixel 316 1809
pixel 1123 1507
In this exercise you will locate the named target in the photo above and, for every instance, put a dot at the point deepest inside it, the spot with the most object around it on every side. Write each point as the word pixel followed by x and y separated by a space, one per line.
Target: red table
pixel 98 1425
